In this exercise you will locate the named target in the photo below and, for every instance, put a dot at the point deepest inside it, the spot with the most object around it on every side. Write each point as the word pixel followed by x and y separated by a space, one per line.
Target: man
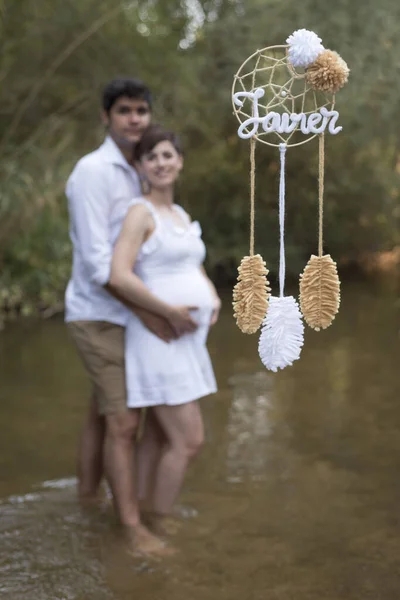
pixel 98 191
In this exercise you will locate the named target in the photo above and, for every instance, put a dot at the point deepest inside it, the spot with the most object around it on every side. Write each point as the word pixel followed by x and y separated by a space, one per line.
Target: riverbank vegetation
pixel 55 57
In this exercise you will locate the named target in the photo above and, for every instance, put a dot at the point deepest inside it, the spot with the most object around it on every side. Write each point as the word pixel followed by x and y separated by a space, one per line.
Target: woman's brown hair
pixel 153 135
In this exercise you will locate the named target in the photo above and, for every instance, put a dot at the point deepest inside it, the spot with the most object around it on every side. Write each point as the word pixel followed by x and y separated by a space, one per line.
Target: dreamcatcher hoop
pixel 279 94
pixel 292 102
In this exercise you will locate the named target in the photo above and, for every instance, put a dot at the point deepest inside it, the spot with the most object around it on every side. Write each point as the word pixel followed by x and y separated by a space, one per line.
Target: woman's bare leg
pixel 183 428
pixel 148 453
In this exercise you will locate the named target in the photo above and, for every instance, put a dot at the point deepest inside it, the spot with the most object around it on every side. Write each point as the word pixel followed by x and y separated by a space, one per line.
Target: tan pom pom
pixel 251 294
pixel 328 73
pixel 319 292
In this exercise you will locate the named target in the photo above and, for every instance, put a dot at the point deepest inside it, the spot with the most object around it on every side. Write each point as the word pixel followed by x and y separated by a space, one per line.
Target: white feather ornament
pixel 282 334
pixel 304 47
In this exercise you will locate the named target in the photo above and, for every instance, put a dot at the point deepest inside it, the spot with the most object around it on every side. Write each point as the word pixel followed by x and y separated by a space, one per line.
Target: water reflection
pixel 249 424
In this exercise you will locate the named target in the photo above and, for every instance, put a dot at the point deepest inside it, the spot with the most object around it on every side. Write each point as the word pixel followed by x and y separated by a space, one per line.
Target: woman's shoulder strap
pixel 183 213
pixel 145 202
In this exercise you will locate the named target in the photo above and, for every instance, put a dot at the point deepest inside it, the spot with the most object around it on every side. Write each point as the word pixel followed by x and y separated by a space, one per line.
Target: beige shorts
pixel 101 346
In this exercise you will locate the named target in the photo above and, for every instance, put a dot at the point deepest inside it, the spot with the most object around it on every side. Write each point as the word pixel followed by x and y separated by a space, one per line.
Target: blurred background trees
pixel 55 58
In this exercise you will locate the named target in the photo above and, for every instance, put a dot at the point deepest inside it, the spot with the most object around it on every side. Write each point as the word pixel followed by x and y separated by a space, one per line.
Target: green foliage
pixel 55 57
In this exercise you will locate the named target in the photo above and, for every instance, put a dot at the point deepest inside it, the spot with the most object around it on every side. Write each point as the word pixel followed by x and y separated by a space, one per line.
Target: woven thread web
pixel 285 91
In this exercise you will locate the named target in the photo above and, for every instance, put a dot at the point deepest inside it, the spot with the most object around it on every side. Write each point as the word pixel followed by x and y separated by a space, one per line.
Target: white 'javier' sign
pixel 313 123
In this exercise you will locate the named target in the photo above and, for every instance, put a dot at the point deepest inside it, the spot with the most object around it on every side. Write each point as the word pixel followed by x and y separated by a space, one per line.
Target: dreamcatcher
pixel 284 96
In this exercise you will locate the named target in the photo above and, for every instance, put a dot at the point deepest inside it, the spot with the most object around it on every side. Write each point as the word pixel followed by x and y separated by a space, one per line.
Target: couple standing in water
pixel 139 306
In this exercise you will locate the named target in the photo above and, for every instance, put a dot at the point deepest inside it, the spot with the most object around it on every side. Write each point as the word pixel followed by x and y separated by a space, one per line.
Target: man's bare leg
pixel 90 455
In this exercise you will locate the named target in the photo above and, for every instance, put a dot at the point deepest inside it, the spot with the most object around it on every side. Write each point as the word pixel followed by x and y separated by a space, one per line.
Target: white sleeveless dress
pixel 169 264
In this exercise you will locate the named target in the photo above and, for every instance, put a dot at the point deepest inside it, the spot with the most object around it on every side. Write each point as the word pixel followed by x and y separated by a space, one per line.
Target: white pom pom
pixel 304 47
pixel 282 334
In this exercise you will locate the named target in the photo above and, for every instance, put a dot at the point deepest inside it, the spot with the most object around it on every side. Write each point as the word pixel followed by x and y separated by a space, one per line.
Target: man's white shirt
pixel 98 191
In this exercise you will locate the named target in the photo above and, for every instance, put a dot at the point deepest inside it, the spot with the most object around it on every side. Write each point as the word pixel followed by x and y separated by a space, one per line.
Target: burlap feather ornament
pixel 251 294
pixel 328 73
pixel 319 282
pixel 319 292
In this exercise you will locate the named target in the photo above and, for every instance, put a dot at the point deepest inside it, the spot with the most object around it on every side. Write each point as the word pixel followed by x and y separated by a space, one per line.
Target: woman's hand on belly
pixel 181 320
pixel 216 309
pixel 157 325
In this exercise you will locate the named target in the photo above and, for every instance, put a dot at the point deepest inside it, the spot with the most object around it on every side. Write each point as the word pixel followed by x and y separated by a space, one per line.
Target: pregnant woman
pixel 157 263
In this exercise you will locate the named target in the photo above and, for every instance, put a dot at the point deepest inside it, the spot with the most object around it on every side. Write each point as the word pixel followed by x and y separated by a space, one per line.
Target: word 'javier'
pixel 313 123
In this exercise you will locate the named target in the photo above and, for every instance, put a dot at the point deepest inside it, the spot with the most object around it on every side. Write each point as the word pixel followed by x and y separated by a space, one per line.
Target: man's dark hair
pixel 125 86
pixel 153 135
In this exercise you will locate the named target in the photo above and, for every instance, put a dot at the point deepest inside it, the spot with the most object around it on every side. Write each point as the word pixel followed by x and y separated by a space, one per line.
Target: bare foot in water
pixel 94 505
pixel 161 525
pixel 144 543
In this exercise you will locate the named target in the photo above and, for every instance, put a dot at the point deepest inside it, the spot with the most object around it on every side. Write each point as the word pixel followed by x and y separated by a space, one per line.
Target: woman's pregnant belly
pixel 189 288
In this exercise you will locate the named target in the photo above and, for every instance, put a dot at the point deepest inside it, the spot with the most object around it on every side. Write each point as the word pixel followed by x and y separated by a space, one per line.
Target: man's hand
pixel 157 325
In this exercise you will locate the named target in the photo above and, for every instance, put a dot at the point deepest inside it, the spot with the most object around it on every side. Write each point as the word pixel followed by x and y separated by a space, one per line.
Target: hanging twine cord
pixel 321 169
pixel 251 292
pixel 282 266
pixel 252 192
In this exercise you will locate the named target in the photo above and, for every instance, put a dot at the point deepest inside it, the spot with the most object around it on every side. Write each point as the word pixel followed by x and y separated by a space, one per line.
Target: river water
pixel 297 490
